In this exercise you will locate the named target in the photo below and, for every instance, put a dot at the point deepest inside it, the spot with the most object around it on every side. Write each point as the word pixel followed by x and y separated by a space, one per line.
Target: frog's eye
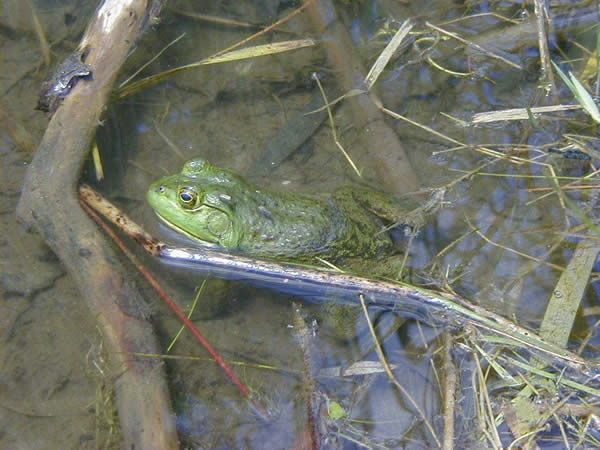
pixel 188 198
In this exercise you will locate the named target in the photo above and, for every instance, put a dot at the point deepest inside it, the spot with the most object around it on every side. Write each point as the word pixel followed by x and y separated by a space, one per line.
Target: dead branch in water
pixel 50 204
pixel 378 142
pixel 431 307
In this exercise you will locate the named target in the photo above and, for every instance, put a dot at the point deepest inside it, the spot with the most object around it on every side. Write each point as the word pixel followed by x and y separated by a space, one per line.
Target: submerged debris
pixel 62 80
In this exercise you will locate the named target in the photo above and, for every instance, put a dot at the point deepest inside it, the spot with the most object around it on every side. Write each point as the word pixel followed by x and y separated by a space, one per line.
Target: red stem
pixel 187 322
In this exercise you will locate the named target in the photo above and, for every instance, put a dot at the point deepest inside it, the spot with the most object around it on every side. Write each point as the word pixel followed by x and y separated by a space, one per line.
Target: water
pixel 229 114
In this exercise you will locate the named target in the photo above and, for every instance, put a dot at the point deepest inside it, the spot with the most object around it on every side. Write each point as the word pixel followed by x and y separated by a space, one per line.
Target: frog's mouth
pixel 184 232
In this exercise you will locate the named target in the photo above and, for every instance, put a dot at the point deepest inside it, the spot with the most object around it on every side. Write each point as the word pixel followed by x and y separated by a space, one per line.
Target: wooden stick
pixel 542 19
pixel 50 204
pixel 431 307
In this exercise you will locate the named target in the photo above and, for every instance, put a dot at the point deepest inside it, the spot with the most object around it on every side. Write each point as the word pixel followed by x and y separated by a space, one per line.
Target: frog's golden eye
pixel 188 197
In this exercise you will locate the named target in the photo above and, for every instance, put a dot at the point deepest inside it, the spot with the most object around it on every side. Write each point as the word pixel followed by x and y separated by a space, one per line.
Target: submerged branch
pixel 431 307
pixel 377 149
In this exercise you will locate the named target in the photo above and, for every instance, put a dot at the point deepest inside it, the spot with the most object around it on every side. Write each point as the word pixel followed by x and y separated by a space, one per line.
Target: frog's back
pixel 300 227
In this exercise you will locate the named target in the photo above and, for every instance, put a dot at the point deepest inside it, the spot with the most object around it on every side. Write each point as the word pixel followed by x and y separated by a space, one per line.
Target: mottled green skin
pixel 236 214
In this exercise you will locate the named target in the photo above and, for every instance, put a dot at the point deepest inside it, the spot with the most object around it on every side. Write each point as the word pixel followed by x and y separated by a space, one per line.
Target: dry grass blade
pixel 518 113
pixel 484 150
pixel 332 124
pixel 556 190
pixel 125 91
pixel 189 316
pixel 387 53
pixel 169 142
pixel 98 169
pixel 512 250
pixel 485 14
pixel 219 20
pixel 568 293
pixel 485 414
pixel 234 55
pixel 349 94
pixel 474 45
pixel 173 42
pixel 259 50
pixel 358 368
pixel 245 364
pixel 271 27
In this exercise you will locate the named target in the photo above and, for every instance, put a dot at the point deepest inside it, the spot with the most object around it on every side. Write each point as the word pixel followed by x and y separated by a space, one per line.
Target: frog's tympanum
pixel 218 206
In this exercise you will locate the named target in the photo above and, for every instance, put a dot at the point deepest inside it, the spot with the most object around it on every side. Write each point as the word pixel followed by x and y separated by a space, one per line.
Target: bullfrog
pixel 219 207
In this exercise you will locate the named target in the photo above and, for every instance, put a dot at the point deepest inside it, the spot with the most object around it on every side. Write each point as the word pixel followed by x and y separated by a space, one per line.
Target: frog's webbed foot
pixel 416 218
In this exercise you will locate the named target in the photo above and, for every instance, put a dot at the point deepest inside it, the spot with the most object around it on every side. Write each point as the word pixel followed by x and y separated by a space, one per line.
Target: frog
pixel 349 227
pixel 220 208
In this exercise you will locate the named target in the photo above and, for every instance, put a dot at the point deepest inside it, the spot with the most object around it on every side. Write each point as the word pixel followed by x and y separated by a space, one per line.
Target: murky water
pixel 499 239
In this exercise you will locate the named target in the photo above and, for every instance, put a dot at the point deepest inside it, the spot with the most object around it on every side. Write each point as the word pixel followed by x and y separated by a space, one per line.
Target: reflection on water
pixel 499 240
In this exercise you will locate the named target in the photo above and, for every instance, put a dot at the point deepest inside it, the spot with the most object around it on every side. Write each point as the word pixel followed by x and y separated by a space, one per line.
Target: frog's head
pixel 196 203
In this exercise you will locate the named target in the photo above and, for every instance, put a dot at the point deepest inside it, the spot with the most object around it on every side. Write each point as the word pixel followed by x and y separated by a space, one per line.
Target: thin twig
pixel 449 389
pixel 474 45
pixel 178 312
pixel 542 19
pixel 333 131
pixel 174 41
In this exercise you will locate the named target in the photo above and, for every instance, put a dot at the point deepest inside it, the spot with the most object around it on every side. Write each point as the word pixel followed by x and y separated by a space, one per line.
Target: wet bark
pixel 49 203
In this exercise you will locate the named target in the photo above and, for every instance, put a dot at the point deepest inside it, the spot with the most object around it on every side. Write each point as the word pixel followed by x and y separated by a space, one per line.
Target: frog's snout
pixel 155 193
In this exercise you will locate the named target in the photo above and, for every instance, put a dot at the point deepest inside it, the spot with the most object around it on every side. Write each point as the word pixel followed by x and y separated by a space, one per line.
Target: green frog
pixel 218 206
pixel 348 227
